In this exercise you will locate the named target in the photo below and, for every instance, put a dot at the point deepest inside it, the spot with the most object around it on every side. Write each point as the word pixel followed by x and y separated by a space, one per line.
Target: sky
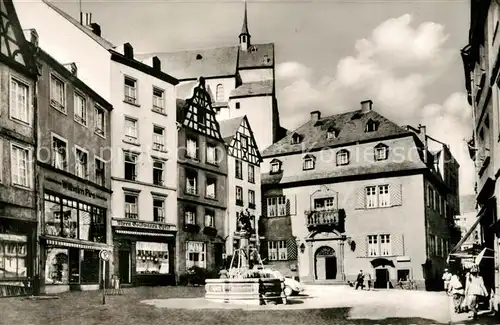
pixel 330 54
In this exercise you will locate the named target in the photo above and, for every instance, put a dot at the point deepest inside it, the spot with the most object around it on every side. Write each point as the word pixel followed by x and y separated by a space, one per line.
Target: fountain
pixel 243 285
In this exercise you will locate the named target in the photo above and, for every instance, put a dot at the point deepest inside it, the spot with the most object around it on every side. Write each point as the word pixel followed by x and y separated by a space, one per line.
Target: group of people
pixel 361 278
pixel 467 290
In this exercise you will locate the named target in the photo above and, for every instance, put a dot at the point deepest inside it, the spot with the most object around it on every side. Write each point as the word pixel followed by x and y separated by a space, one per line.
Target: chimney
pixel 422 135
pixel 96 28
pixel 128 51
pixel 315 116
pixel 156 63
pixel 366 106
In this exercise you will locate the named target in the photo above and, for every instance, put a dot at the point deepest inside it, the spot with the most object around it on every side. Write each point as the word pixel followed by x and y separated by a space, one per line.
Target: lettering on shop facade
pixel 76 189
pixel 142 225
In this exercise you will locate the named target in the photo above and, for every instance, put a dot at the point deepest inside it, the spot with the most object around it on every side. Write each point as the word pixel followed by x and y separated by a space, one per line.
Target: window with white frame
pixel 275 167
pixel 99 121
pixel 130 90
pixel 342 158
pixel 131 131
pixel 195 254
pixel 190 216
pixel 326 203
pixel 373 247
pixel 282 251
pixel 238 169
pixel 100 172
pixel 191 182
pixel 20 166
pixel 277 250
pixel 272 250
pixel 251 198
pixel 81 163
pixel 239 195
pixel 19 101
pixel 385 245
pixel 251 174
pixel 57 93
pixel 59 153
pixel 377 196
pixel 276 206
pixel 158 138
pixel 158 100
pixel 130 166
pixel 209 218
pixel 210 188
pixel 381 152
pixel 159 210
pixel 192 148
pixel 158 167
pixel 308 163
pixel 131 208
pixel 80 109
pixel 211 154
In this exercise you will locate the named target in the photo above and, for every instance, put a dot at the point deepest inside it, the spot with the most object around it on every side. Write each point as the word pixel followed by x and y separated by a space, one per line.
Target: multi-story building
pixel 240 80
pixel 481 66
pixel 18 223
pixel 74 183
pixel 144 143
pixel 243 180
pixel 144 170
pixel 352 192
pixel 201 195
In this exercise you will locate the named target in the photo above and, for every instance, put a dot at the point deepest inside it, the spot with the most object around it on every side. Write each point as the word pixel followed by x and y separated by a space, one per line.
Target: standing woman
pixel 474 288
pixel 456 289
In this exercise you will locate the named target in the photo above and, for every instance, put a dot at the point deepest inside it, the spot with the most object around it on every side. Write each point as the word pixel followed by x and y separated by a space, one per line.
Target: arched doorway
pixel 325 263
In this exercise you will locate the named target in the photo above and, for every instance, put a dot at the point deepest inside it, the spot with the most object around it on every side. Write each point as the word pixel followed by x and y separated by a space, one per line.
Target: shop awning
pixel 141 233
pixel 482 255
pixel 470 231
pixel 63 243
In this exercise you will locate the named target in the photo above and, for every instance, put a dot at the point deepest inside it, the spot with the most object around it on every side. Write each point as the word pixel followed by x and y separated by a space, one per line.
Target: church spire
pixel 245 35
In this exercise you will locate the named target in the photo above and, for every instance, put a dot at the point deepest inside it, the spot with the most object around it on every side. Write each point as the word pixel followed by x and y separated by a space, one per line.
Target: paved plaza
pixel 185 305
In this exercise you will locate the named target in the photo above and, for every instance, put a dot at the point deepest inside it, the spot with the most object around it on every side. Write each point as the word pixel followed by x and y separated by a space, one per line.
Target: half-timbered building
pixel 18 223
pixel 243 179
pixel 202 197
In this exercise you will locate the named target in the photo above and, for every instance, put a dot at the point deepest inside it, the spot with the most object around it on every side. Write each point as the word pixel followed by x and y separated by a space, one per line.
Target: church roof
pixel 98 39
pixel 257 55
pixel 264 87
pixel 351 126
pixel 228 128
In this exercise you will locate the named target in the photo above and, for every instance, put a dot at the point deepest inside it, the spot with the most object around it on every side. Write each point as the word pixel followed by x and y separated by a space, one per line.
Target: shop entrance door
pixel 124 266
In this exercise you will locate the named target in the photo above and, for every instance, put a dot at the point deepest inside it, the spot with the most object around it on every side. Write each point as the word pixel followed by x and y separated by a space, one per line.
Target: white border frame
pixel 24 81
pixel 164 92
pixel 125 77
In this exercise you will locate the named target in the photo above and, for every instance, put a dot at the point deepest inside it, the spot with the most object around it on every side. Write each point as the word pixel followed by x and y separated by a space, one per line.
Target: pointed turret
pixel 245 35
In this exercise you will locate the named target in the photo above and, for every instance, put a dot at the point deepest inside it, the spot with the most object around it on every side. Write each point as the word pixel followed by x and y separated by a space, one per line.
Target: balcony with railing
pixel 325 220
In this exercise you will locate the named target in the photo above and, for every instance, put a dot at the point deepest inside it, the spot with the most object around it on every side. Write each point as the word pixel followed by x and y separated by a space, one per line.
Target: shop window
pixel 195 254
pixel 89 266
pixel 152 258
pixel 13 253
pixel 57 266
pixel 403 275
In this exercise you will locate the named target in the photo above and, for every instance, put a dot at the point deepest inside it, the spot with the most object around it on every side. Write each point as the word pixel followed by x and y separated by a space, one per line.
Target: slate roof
pixel 351 126
pixel 229 127
pixel 264 88
pixel 214 62
pixel 269 179
pixel 101 41
pixel 467 203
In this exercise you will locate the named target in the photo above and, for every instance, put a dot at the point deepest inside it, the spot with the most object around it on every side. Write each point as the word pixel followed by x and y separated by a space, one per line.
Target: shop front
pixel 74 229
pixel 144 252
pixel 17 240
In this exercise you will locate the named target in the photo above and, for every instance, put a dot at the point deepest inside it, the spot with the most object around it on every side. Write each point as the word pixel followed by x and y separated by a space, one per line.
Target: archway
pixel 325 263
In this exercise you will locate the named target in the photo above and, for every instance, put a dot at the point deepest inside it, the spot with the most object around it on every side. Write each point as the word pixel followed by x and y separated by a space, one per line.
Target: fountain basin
pixel 259 291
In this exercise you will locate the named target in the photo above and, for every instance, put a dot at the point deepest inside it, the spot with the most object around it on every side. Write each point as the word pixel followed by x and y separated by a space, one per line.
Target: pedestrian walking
pixel 456 289
pixel 368 281
pixel 359 280
pixel 446 279
pixel 474 289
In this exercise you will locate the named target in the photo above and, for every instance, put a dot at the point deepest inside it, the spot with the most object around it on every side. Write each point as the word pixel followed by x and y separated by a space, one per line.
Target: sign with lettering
pixel 142 224
pixel 76 188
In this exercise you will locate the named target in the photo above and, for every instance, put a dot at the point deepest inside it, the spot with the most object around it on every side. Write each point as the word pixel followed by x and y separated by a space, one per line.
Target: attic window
pixel 371 126
pixel 275 166
pixel 342 157
pixel 198 57
pixel 332 133
pixel 381 152
pixel 296 138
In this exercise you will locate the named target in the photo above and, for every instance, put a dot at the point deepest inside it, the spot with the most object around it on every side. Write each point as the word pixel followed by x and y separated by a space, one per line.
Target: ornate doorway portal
pixel 325 263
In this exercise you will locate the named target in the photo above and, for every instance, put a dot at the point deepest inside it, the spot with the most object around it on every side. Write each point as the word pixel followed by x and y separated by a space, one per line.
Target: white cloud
pixel 393 67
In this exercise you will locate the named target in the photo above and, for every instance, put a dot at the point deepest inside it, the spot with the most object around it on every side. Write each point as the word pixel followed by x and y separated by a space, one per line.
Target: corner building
pixel 353 192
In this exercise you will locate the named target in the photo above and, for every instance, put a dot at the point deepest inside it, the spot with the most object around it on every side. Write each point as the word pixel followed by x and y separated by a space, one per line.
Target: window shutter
pixel 395 190
pixel 291 205
pixel 398 247
pixel 361 246
pixel 360 198
pixel 264 207
pixel 428 196
pixel 263 249
pixel 288 204
pixel 291 247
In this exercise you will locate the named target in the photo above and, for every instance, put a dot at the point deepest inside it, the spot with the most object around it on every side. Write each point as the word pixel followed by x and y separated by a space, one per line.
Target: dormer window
pixel 309 162
pixel 381 152
pixel 275 166
pixel 342 157
pixel 371 126
pixel 332 133
pixel 296 138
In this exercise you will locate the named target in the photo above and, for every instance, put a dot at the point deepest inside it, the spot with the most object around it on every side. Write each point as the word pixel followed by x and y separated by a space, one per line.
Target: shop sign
pixel 142 225
pixel 76 189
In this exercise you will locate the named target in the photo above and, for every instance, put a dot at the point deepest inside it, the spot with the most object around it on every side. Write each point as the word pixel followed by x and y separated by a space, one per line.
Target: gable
pixel 198 114
pixel 243 145
pixel 13 45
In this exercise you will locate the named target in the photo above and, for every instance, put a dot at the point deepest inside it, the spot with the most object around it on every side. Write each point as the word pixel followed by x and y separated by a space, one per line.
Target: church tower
pixel 245 35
